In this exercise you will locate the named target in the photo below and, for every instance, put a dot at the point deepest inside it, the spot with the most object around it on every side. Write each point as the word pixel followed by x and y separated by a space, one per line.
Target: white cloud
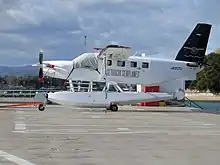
pixel 59 26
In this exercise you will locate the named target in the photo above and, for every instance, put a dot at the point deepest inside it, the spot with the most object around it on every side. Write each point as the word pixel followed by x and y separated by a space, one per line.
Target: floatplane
pixel 115 64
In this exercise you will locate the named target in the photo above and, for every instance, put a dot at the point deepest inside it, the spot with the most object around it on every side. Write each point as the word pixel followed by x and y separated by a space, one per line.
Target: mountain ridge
pixel 26 70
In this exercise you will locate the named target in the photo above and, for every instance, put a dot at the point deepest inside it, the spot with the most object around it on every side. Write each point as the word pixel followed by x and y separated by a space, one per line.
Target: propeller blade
pixel 41 56
pixel 40 75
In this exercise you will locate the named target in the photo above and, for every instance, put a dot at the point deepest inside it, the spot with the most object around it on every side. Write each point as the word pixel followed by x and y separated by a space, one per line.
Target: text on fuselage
pixel 176 68
pixel 122 73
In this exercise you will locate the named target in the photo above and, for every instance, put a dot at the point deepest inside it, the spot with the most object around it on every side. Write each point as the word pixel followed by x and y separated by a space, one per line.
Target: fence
pixel 22 93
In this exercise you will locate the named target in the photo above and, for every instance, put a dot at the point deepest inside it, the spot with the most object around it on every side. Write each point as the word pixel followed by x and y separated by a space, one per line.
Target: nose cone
pixel 38 65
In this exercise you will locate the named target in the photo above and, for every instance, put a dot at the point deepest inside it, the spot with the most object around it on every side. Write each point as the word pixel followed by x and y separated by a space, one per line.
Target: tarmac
pixel 133 135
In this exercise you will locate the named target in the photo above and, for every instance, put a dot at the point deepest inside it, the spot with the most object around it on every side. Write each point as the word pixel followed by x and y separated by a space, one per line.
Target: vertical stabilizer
pixel 195 46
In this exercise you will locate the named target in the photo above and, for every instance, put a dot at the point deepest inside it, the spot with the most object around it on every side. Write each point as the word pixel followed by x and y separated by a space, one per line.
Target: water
pixel 209 106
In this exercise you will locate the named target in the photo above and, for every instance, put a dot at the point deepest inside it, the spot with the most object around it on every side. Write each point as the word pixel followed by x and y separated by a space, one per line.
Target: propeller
pixel 41 65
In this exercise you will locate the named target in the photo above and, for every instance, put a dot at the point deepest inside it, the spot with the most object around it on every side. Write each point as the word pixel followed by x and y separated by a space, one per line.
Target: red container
pixel 152 89
pixel 141 103
pixel 153 103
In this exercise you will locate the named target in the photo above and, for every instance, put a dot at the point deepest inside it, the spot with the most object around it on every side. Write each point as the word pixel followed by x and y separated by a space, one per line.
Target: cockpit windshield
pixel 86 60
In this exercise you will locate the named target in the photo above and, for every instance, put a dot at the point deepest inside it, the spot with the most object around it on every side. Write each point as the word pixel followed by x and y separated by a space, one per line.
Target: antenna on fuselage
pixel 85 42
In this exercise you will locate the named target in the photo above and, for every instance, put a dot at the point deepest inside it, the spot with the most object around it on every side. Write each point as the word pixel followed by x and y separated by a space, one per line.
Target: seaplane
pixel 116 64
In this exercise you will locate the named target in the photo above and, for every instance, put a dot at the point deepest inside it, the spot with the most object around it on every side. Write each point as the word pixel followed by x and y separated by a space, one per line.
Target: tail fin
pixel 195 46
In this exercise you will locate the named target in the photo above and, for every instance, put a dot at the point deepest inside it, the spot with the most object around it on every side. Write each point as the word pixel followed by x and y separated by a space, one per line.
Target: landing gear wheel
pixel 114 107
pixel 41 107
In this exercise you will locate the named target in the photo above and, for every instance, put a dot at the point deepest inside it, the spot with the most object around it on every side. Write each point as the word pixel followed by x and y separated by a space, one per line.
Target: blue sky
pixel 156 27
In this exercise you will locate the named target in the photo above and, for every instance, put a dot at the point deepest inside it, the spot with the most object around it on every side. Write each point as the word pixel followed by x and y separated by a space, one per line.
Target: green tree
pixel 217 51
pixel 209 78
pixel 212 73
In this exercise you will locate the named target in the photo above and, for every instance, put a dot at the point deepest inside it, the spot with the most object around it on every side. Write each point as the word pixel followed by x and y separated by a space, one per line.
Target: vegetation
pixel 29 82
pixel 209 77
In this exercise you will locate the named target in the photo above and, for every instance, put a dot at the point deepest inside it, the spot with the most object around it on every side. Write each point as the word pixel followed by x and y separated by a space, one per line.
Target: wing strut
pixel 70 73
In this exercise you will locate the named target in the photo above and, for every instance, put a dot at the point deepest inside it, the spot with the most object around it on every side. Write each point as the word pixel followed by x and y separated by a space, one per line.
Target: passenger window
pixel 133 64
pixel 121 63
pixel 109 62
pixel 145 65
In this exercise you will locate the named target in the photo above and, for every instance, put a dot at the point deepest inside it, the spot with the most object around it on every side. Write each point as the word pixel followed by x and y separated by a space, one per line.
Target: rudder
pixel 194 48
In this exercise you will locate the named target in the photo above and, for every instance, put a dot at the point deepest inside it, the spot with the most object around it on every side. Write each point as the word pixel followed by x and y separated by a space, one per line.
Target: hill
pixel 27 70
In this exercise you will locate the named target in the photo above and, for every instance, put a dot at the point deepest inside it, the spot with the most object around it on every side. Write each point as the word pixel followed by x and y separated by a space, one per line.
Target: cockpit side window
pixel 109 62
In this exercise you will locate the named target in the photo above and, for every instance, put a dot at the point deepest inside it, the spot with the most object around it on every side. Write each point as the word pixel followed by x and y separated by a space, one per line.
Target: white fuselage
pixel 157 71
pixel 145 70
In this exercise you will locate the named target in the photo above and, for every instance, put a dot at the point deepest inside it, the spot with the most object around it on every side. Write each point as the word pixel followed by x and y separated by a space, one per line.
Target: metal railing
pixel 191 103
pixel 23 93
